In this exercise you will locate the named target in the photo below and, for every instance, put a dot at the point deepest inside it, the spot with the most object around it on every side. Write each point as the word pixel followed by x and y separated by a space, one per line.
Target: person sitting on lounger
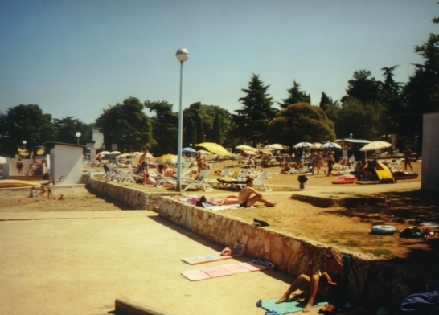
pixel 248 196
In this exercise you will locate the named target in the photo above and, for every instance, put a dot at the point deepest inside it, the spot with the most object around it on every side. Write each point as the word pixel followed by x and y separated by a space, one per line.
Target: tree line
pixel 371 109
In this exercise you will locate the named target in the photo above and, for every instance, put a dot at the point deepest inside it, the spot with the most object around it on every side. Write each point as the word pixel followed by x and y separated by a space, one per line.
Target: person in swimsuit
pixel 248 196
pixel 50 189
pixel 320 284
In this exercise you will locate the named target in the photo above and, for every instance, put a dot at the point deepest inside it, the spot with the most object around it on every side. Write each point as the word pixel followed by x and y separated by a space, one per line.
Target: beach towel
pixel 288 306
pixel 220 271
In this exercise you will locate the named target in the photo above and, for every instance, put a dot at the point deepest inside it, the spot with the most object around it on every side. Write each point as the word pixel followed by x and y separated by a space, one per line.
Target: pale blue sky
pixel 75 58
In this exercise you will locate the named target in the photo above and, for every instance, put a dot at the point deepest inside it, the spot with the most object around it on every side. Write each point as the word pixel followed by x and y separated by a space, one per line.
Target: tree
pixel 363 88
pixel 252 120
pixel 391 97
pixel 300 122
pixel 26 123
pixel 127 126
pixel 329 107
pixel 217 123
pixel 421 93
pixel 165 126
pixel 295 95
pixel 193 131
pixel 363 120
pixel 67 128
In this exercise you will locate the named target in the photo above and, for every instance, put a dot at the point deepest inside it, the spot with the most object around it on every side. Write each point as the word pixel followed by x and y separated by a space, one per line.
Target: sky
pixel 76 58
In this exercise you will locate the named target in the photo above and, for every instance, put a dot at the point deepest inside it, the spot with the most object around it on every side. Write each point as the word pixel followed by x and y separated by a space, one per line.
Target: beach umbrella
pixel 115 152
pixel 244 147
pixel 102 153
pixel 331 145
pixel 376 145
pixel 316 145
pixel 302 145
pixel 214 148
pixel 189 150
pixel 148 157
pixel 276 146
pixel 123 155
pixel 167 159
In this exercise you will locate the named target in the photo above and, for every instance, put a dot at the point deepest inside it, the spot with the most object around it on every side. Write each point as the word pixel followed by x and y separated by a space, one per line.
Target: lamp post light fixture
pixel 24 144
pixel 78 135
pixel 182 56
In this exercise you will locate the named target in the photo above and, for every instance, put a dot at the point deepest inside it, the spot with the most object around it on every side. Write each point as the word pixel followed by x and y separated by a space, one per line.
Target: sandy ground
pixel 76 256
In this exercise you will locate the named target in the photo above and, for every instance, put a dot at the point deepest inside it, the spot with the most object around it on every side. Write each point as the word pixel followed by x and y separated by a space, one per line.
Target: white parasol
pixel 376 145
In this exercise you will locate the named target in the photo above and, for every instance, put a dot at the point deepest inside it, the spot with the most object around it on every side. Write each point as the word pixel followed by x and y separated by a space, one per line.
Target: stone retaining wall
pixel 370 282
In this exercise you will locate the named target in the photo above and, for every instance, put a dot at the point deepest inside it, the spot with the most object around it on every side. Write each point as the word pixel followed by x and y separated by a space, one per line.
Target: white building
pixel 65 161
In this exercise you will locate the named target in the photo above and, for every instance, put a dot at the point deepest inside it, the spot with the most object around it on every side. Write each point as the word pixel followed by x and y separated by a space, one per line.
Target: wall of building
pixel 66 161
pixel 430 153
pixel 98 137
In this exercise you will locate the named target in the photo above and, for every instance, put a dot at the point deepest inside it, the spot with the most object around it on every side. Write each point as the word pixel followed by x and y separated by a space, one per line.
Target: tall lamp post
pixel 24 144
pixel 182 55
pixel 78 135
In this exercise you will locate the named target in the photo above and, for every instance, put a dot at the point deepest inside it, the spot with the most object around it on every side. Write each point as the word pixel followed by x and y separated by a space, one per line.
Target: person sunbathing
pixel 149 180
pixel 221 202
pixel 321 284
pixel 285 169
pixel 248 196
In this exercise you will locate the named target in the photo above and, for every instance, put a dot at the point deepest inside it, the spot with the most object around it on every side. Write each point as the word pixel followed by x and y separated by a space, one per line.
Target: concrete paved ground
pixel 70 262
pixel 80 262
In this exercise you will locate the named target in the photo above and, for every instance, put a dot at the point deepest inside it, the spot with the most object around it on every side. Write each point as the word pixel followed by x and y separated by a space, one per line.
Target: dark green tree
pixel 329 107
pixel 216 130
pixel 252 120
pixel 421 93
pixel 300 122
pixel 127 126
pixel 165 126
pixel 192 125
pixel 391 97
pixel 295 95
pixel 363 120
pixel 26 123
pixel 363 88
pixel 67 128
pixel 216 133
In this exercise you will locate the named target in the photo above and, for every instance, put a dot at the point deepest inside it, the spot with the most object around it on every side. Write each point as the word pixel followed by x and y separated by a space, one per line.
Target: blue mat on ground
pixel 288 306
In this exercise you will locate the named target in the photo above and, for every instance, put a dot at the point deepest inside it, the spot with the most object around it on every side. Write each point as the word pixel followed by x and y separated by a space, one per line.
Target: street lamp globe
pixel 78 135
pixel 182 55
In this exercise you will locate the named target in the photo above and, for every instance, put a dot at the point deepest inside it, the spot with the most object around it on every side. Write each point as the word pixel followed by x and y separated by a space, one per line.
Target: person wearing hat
pixel 248 196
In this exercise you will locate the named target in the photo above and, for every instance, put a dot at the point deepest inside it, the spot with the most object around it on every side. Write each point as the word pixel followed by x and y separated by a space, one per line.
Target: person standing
pixel 314 162
pixel 19 165
pixel 50 189
pixel 408 159
pixel 319 162
pixel 330 161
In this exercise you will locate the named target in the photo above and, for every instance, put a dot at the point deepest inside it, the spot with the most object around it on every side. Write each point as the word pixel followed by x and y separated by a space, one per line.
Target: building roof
pixel 351 140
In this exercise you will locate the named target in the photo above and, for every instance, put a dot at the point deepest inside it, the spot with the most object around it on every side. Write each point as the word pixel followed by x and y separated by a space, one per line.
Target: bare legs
pixel 314 286
pixel 259 198
pixel 313 283
pixel 300 280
